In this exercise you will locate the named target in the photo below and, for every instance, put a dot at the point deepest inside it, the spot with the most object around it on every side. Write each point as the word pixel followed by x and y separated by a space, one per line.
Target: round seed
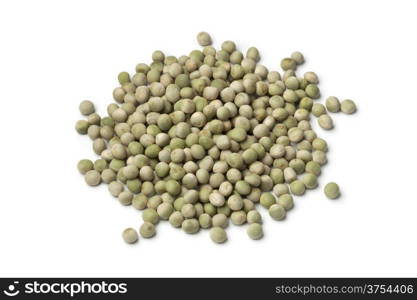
pixel 130 235
pixel 331 190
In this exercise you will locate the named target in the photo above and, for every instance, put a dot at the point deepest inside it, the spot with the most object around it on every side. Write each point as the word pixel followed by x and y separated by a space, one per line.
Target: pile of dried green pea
pixel 201 139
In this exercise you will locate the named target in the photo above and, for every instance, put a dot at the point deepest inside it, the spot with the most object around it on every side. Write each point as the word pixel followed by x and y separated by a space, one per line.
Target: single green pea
pixel 210 209
pixel 139 201
pixel 242 187
pixel 288 64
pixel 286 201
pixel 318 109
pixel 206 142
pixel 84 166
pixel 254 216
pixel 82 126
pixel 331 190
pixel 238 217
pixel 182 80
pixel 176 219
pixel 130 235
pixel 298 165
pixel 267 199
pixel 255 231
pixel 86 108
pixel 150 215
pixel 250 156
pixel 348 106
pixel 312 91
pixel 165 210
pixel 205 220
pixel 204 39
pixel 220 220
pixel 325 122
pixel 309 180
pixel 147 230
pixel 333 104
pixel 297 187
pixel 237 134
pixel 228 46
pixel 125 198
pixel 319 144
pixel 277 212
pixel 176 172
pixel 235 160
pixel 178 203
pixel 298 57
pixel 92 178
pixel 152 151
pixel 313 168
pixel 218 235
pixel 173 187
pixel 190 226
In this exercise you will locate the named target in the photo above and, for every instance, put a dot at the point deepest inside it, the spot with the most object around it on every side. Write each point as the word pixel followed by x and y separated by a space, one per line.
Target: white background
pixel 54 54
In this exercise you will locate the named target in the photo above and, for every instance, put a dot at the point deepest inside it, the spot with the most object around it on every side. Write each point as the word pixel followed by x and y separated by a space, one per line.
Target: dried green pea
pixel 313 168
pixel 204 39
pixel 277 175
pixel 242 187
pixel 325 122
pixel 267 199
pixel 318 109
pixel 298 57
pixel 147 188
pixel 125 198
pixel 152 151
pixel 297 187
pixel 348 106
pixel 176 219
pixel 218 235
pixel 249 156
pixel 237 134
pixel 173 187
pixel 253 179
pixel 86 108
pixel 154 201
pixel 277 212
pixel 288 64
pixel 130 235
pixel 147 230
pixel 178 203
pixel 134 185
pixel 309 180
pixel 108 175
pixel 333 104
pixel 238 217
pixel 165 210
pixel 84 166
pixel 150 215
pixel 254 216
pixel 255 231
pixel 190 226
pixel 82 126
pixel 286 201
pixel 210 209
pixel 140 201
pixel 319 144
pixel 312 91
pixel 115 188
pixel 332 190
pixel 220 220
pixel 92 178
pixel 298 165
pixel 204 220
